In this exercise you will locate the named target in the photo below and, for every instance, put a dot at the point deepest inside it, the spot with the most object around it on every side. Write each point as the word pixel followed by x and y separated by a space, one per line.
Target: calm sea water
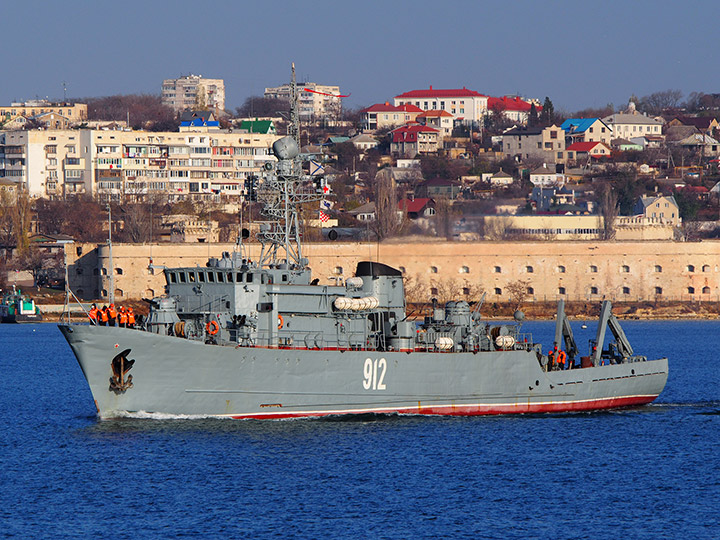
pixel 650 472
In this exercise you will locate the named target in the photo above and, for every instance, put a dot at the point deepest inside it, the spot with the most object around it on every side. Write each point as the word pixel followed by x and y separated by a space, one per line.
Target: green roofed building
pixel 258 126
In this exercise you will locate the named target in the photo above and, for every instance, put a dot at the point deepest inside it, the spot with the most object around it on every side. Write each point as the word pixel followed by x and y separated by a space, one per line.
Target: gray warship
pixel 244 338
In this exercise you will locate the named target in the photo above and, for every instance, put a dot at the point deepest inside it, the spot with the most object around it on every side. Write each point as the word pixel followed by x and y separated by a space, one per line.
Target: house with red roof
pixel 443 121
pixel 385 115
pixel 466 105
pixel 414 139
pixel 513 107
pixel 583 150
pixel 418 207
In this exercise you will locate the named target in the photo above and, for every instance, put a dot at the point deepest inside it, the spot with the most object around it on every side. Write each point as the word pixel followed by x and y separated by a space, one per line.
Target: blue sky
pixel 580 54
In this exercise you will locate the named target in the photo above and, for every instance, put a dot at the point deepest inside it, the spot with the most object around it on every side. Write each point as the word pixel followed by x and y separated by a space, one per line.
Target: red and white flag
pixel 323 216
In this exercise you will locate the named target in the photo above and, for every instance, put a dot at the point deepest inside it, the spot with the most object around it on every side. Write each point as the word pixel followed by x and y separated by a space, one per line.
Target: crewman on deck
pixel 131 318
pixel 112 314
pixel 122 317
pixel 552 355
pixel 103 316
pixel 93 314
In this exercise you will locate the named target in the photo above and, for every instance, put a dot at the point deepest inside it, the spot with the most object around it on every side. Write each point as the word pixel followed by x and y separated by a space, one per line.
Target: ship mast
pixel 284 189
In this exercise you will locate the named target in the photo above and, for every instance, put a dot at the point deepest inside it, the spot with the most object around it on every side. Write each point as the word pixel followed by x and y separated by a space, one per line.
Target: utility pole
pixel 111 292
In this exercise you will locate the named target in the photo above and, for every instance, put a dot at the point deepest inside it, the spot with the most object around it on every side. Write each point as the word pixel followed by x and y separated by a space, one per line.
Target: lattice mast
pixel 282 192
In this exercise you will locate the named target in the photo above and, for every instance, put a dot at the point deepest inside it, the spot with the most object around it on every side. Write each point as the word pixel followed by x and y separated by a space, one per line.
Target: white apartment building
pixel 193 91
pixel 466 105
pixel 133 165
pixel 315 101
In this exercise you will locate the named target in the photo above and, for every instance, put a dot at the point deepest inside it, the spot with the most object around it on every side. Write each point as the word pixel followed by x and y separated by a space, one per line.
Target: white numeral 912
pixel 374 374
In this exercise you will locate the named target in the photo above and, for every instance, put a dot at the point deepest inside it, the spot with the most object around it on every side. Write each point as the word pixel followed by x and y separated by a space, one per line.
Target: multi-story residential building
pixel 466 105
pixel 585 150
pixel 133 165
pixel 193 91
pixel 410 141
pixel 73 112
pixel 663 208
pixel 545 143
pixel 315 101
pixel 587 130
pixel 384 115
pixel 634 124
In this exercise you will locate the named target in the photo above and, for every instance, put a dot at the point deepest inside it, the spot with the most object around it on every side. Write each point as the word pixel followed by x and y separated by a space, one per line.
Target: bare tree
pixel 388 221
pixel 658 102
pixel 444 218
pixel 517 291
pixel 609 208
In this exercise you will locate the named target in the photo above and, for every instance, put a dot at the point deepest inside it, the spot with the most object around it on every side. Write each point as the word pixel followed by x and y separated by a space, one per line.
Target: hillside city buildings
pixel 193 91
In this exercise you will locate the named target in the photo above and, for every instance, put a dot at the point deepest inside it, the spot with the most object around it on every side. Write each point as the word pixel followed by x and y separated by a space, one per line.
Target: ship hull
pixel 175 376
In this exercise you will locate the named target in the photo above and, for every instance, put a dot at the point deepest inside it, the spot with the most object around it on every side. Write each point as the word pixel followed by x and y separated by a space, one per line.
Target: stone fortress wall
pixel 575 271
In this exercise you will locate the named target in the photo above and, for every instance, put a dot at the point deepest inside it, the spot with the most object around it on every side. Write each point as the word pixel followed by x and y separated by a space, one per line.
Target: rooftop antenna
pixel 64 91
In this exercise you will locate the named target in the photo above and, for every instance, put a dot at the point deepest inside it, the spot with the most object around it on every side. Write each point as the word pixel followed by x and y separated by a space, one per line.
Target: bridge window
pixel 220 278
pixel 201 277
pixel 191 275
pixel 249 278
pixel 238 277
pixel 183 277
pixel 211 277
pixel 173 277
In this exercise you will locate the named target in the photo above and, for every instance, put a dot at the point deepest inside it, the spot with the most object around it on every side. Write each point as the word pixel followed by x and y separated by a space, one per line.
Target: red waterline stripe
pixel 472 410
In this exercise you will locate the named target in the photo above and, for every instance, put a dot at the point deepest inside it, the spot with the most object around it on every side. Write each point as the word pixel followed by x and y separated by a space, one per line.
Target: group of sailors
pixel 109 316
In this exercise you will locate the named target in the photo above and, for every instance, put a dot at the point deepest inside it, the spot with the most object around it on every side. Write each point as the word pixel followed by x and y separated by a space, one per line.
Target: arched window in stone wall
pixel 118 293
pixel 658 290
pixel 706 290
pixel 658 268
pixel 593 269
pixel 498 291
pixel 690 268
pixel 529 269
pixel 561 290
pixel 561 270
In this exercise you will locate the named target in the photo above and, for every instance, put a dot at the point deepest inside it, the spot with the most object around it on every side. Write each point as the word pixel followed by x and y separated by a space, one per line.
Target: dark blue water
pixel 650 472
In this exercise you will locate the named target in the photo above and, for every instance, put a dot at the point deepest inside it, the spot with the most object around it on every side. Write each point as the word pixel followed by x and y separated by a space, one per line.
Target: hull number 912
pixel 374 374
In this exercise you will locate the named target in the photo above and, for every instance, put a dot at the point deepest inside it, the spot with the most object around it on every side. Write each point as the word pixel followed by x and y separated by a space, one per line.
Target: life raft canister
pixel 281 321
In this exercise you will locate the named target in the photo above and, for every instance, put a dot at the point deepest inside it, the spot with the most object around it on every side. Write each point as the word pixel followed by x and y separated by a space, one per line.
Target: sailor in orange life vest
pixel 122 317
pixel 112 314
pixel 94 315
pixel 131 318
pixel 103 316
